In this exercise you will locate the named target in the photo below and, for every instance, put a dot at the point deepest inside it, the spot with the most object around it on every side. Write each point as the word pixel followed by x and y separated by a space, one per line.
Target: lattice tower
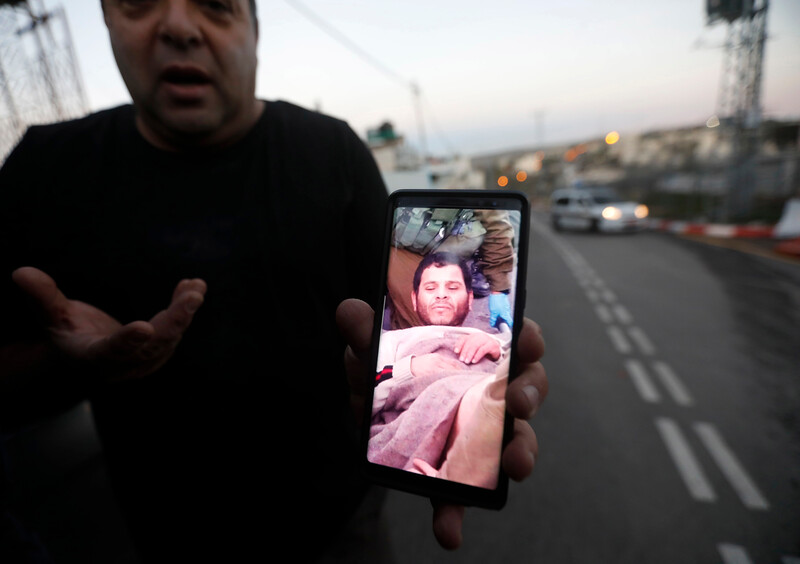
pixel 40 80
pixel 739 99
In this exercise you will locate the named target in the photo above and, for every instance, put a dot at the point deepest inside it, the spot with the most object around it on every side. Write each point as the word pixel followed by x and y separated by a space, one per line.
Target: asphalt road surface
pixel 672 429
pixel 671 433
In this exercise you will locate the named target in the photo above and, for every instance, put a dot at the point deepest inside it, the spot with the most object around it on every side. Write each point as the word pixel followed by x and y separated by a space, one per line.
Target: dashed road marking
pixel 642 341
pixel 688 467
pixel 673 384
pixel 733 554
pixel 622 314
pixel 748 492
pixel 642 381
pixel 603 313
pixel 609 296
pixel 618 339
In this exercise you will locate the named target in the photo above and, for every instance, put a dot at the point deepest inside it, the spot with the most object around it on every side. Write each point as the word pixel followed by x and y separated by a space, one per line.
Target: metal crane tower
pixel 40 81
pixel 739 102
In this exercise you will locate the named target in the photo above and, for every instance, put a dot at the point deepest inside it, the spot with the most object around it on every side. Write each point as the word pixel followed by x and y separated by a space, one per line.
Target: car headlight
pixel 641 211
pixel 611 213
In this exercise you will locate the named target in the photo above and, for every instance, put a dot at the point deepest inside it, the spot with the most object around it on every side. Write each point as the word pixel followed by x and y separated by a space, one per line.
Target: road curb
pixel 790 247
pixel 765 233
pixel 720 230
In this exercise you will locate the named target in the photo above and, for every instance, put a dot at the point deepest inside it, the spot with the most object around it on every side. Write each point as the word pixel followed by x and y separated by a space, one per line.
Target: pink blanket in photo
pixel 416 419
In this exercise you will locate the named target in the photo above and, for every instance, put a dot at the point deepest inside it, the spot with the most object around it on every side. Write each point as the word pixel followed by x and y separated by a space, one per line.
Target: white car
pixel 595 208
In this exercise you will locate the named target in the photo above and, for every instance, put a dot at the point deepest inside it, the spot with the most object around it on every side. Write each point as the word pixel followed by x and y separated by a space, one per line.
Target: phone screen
pixel 452 291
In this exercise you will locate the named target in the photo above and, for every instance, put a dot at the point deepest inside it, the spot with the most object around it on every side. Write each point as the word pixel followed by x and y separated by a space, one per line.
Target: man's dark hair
pixel 439 260
pixel 254 13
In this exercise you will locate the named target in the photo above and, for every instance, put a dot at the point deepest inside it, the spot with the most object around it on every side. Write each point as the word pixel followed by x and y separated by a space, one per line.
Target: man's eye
pixel 218 6
pixel 136 7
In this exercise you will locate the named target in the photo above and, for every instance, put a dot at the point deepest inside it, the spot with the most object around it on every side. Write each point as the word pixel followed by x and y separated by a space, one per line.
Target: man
pixel 482 236
pixel 438 379
pixel 212 409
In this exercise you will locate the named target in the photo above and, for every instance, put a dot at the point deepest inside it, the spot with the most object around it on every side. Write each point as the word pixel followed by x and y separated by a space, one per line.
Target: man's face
pixel 443 298
pixel 190 67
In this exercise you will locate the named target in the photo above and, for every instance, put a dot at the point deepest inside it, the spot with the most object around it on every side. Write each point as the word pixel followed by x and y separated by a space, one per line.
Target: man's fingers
pixel 527 391
pixel 447 522
pixel 520 453
pixel 170 324
pixel 354 319
pixel 530 347
pixel 189 285
pixel 43 290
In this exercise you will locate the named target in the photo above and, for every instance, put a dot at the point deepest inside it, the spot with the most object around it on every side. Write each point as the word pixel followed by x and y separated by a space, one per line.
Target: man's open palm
pixel 87 334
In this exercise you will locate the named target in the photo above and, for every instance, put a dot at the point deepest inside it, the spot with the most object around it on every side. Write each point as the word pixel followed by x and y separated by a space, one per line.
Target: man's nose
pixel 442 293
pixel 179 24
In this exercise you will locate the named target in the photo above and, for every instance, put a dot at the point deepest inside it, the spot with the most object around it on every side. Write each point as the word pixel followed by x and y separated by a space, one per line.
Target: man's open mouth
pixel 185 76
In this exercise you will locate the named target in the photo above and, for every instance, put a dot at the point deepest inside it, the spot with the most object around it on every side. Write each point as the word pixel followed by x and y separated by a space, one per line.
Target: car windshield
pixel 604 196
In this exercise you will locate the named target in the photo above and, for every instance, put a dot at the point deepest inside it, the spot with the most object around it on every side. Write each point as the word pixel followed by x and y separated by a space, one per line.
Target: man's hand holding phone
pixel 524 395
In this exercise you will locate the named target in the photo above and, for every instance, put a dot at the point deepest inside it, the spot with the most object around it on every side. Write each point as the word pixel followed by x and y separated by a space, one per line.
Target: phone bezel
pixel 403 480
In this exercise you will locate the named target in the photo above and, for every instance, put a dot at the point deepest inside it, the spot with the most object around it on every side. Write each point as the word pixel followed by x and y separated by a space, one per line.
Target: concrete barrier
pixel 713 229
pixel 789 224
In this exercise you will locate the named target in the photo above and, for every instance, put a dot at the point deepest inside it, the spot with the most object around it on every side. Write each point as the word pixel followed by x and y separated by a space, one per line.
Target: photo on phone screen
pixel 453 288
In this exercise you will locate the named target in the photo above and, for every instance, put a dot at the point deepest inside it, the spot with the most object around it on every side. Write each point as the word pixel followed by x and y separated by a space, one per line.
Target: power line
pixel 363 54
pixel 347 42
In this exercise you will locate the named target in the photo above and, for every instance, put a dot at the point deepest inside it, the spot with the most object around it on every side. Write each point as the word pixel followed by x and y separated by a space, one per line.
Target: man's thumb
pixel 43 290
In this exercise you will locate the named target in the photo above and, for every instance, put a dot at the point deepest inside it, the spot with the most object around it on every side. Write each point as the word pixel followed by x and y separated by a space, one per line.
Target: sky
pixel 491 75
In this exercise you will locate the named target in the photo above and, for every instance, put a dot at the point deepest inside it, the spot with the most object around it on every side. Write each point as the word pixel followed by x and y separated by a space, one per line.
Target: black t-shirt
pixel 250 416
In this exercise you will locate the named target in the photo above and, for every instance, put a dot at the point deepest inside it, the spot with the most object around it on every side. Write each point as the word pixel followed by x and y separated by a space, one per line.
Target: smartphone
pixel 443 348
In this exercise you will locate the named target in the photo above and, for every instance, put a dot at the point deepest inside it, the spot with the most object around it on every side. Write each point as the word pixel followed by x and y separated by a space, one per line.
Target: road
pixel 671 433
pixel 672 429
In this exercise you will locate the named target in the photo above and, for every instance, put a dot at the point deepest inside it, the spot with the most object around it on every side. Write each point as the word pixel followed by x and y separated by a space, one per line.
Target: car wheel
pixel 556 223
pixel 594 226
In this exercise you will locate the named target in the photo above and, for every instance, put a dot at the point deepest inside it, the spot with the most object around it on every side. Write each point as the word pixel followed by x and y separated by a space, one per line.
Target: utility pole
pixel 538 116
pixel 423 142
pixel 40 81
pixel 739 101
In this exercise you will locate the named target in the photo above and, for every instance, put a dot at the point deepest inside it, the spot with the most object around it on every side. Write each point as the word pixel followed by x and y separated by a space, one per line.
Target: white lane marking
pixel 673 384
pixel 733 554
pixel 642 381
pixel 688 466
pixel 609 296
pixel 592 295
pixel 618 339
pixel 642 341
pixel 748 491
pixel 603 313
pixel 622 313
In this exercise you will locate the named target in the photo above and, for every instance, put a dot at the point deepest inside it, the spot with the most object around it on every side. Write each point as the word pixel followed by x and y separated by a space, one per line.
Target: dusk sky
pixel 494 74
